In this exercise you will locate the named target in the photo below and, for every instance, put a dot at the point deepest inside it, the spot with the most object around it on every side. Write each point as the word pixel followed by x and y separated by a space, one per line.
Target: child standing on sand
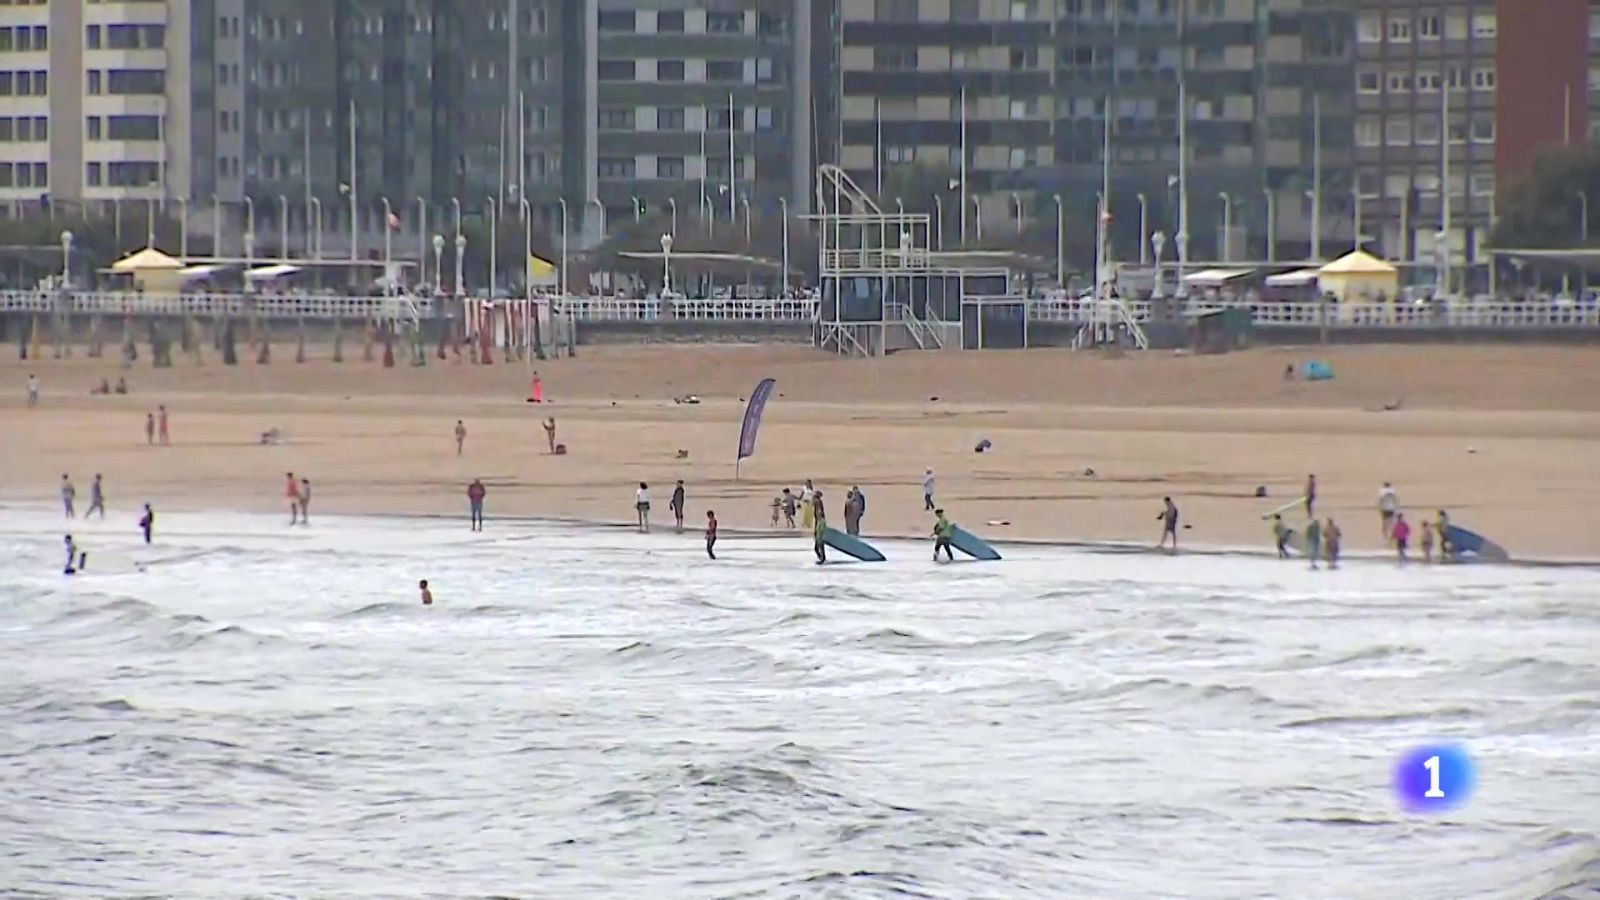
pixel 305 501
pixel 1426 541
pixel 777 509
pixel 150 429
pixel 677 505
pixel 788 508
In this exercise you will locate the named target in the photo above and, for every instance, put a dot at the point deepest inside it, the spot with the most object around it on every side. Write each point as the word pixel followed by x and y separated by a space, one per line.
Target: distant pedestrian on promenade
pixel 475 494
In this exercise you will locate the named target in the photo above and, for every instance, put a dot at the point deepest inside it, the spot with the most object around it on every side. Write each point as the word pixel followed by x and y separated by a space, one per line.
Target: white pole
pixel 733 167
pixel 783 207
pixel 963 175
pixel 1061 258
pixel 1355 215
pixel 283 227
pixel 877 144
pixel 705 164
pixel 563 202
pixel 216 227
pixel 1316 176
pixel 1182 237
pixel 1443 249
pixel 305 165
pixel 388 246
pixel 500 193
pixel 1144 225
pixel 354 219
pixel 422 240
pixel 1105 203
pixel 1272 225
pixel 493 212
pixel 1225 245
pixel 522 149
pixel 527 249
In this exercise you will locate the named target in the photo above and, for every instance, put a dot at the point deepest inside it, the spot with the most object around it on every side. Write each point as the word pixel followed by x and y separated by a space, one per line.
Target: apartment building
pixel 1038 79
pixel 1454 100
pixel 93 101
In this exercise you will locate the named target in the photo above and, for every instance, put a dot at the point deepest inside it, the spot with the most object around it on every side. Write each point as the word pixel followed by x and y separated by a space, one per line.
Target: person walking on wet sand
pixel 475 494
pixel 461 436
pixel 1332 539
pixel 1169 524
pixel 305 501
pixel 927 490
pixel 788 508
pixel 550 433
pixel 1311 496
pixel 641 506
pixel 676 503
pixel 68 495
pixel 291 492
pixel 1280 536
pixel 1388 508
pixel 97 499
pixel 1400 533
pixel 162 426
pixel 711 533
pixel 808 495
pixel 819 527
pixel 943 531
pixel 1314 542
pixel 150 429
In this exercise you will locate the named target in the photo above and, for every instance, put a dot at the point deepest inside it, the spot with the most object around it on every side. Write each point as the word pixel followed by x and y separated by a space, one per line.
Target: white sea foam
pixel 244 707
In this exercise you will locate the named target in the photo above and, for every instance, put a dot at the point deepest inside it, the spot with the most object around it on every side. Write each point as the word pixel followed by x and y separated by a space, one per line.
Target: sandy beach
pixel 1506 438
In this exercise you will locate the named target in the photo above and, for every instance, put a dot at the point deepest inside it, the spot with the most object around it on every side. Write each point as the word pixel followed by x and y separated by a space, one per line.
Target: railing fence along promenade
pixel 1461 314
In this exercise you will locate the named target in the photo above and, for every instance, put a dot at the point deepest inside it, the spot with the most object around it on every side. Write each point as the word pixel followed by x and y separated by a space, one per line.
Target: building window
pixel 91 174
pixel 620 20
pixel 1399 82
pixel 1367 133
pixel 724 22
pixel 1483 79
pixel 1428 82
pixel 136 82
pixel 1367 81
pixel 896 10
pixel 670 21
pixel 1397 132
pixel 1369 29
pixel 1482 184
pixel 724 119
pixel 616 70
pixel 669 70
pixel 669 167
pixel 1483 130
pixel 1428 27
pixel 616 118
pixel 725 70
pixel 900 155
pixel 1485 25
pixel 6 129
pixel 1427 130
pixel 1367 185
pixel 1400 31
pixel 1594 78
pixel 669 119
pixel 1023 58
pixel 1024 10
pixel 614 167
pixel 894 58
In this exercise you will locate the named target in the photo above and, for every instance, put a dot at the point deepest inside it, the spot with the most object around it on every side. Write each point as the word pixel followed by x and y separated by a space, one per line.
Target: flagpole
pixel 733 189
pixel 500 195
pixel 354 219
pixel 877 144
pixel 306 166
pixel 963 175
pixel 704 164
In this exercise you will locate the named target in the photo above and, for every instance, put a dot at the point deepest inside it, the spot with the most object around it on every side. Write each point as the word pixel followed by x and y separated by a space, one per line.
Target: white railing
pixel 311 306
pixel 783 309
pixel 1468 314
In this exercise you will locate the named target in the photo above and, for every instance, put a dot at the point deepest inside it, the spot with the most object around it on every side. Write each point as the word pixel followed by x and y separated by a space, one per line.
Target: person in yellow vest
pixel 943 531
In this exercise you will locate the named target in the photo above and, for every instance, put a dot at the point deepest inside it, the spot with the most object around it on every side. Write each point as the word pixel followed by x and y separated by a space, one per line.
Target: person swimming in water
pixel 427 595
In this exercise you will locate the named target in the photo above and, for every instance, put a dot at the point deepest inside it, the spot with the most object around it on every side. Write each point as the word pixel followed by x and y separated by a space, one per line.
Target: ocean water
pixel 246 710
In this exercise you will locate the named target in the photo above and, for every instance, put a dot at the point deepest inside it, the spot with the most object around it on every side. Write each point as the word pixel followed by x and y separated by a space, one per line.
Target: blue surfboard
pixel 851 546
pixel 972 545
pixel 1469 545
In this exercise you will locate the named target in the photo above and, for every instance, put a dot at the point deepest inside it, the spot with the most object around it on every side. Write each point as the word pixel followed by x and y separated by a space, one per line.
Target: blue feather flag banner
pixel 752 417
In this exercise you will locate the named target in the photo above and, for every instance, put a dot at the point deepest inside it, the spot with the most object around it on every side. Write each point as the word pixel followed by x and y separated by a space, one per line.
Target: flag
pixel 394 221
pixel 752 417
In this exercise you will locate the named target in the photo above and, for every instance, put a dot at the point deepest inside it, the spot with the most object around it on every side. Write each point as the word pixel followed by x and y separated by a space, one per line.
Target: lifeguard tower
pixel 884 289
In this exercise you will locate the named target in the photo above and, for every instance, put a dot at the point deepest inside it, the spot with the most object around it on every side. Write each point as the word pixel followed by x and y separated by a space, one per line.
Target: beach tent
pixel 151 270
pixel 1359 277
pixel 1214 278
pixel 269 273
pixel 1299 278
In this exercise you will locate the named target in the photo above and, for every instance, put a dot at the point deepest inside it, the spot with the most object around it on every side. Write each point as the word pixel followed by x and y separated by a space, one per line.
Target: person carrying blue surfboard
pixel 943 531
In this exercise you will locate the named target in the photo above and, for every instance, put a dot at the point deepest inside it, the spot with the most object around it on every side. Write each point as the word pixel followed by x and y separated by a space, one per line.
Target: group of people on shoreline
pixel 1322 539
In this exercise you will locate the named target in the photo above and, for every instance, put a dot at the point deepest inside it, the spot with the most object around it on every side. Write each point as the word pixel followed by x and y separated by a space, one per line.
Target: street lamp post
pixel 938 222
pixel 1157 241
pixel 249 237
pixel 1224 244
pixel 422 241
pixel 283 227
pixel 316 216
pixel 1061 252
pixel 1181 247
pixel 461 263
pixel 783 209
pixel 183 229
pixel 564 221
pixel 1144 224
pixel 602 220
pixel 438 263
pixel 1272 224
pixel 666 265
pixel 1583 217
pixel 672 204
pixel 388 246
pixel 638 208
pixel 493 212
pixel 977 217
pixel 66 259
pixel 744 201
pixel 1016 201
pixel 216 226
pixel 527 247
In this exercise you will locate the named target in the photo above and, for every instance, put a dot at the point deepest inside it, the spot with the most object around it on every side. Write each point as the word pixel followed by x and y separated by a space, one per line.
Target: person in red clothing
pixel 292 493
pixel 475 495
pixel 711 533
pixel 1400 533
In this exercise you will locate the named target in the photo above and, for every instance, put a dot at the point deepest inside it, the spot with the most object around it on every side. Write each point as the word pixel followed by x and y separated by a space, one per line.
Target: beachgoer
pixel 1314 541
pixel 852 521
pixel 33 390
pixel 861 507
pixel 711 533
pixel 1311 496
pixel 1332 540
pixel 305 501
pixel 102 390
pixel 427 595
pixel 777 510
pixel 147 522
pixel 122 386
pixel 72 556
pixel 1447 549
pixel 68 494
pixel 641 506
pixel 1388 508
pixel 1169 523
pixel 475 494
pixel 461 436
pixel 550 432
pixel 1400 533
pixel 97 499
pixel 676 503
pixel 291 491
pixel 943 529
pixel 807 495
pixel 1425 541
pixel 1280 535
pixel 788 508
pixel 161 425
pixel 819 528
pixel 150 429
pixel 927 489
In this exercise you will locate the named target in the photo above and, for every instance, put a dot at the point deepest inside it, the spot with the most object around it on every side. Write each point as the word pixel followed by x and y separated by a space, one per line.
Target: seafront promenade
pixel 1458 315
